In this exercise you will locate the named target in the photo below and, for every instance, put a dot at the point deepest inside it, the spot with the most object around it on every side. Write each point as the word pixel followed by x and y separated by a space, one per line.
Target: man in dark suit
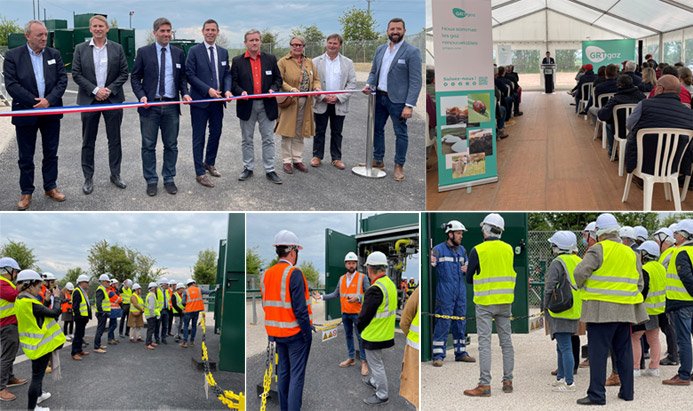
pixel 207 69
pixel 100 69
pixel 159 75
pixel 35 77
pixel 396 76
pixel 256 73
pixel 548 78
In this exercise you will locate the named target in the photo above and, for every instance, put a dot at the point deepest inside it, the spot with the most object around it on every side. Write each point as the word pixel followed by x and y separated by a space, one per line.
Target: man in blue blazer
pixel 396 76
pixel 207 69
pixel 35 77
pixel 159 75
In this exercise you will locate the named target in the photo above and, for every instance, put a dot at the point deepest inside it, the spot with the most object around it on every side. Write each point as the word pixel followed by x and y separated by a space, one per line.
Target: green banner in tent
pixel 603 52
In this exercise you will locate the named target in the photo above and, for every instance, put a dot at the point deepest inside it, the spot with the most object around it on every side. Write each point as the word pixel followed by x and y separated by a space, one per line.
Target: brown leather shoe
pixel 438 363
pixel 613 380
pixel 480 391
pixel 16 382
pixel 83 353
pixel 100 351
pixel 315 162
pixel 56 195
pixel 676 380
pixel 399 172
pixel 554 372
pixel 300 167
pixel 347 362
pixel 184 345
pixel 149 347
pixel 585 364
pixel 288 169
pixel 375 164
pixel 204 180
pixel 76 357
pixel 6 395
pixel 507 387
pixel 212 171
pixel 24 202
pixel 466 358
pixel 364 367
pixel 339 164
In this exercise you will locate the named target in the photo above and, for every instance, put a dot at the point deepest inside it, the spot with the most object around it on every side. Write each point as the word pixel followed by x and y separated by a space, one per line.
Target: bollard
pixel 368 171
pixel 254 312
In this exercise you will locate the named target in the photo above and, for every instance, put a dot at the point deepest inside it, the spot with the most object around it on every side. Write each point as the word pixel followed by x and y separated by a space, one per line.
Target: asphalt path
pixel 323 188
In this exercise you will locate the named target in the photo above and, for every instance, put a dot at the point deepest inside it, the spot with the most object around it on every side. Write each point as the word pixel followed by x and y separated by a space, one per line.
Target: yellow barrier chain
pixel 267 378
pixel 328 326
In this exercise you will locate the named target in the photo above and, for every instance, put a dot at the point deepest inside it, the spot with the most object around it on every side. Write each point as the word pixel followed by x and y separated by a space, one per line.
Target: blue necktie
pixel 162 73
pixel 212 66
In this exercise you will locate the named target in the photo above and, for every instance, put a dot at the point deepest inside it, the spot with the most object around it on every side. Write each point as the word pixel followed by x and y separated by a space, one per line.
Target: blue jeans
pixel 291 373
pixel 566 362
pixel 164 324
pixel 187 317
pixel 112 325
pixel 349 321
pixel 384 108
pixel 683 319
pixel 500 118
pixel 166 119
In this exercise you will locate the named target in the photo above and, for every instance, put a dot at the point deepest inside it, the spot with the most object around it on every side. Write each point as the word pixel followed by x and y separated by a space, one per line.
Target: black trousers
pixel 603 337
pixel 90 128
pixel 152 324
pixel 336 126
pixel 78 339
pixel 101 318
pixel 548 83
pixel 68 326
pixel 124 320
pixel 26 142
pixel 38 370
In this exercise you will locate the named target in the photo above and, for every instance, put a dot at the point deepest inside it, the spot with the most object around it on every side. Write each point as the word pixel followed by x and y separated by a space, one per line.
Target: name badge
pixel 401 61
pixel 51 62
pixel 223 63
pixel 268 72
pixel 177 65
pixel 104 60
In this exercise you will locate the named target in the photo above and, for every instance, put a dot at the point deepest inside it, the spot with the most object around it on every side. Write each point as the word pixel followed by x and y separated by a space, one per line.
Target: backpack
pixel 562 295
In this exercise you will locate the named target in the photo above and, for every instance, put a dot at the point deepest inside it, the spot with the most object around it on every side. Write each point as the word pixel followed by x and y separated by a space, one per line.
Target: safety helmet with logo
pixel 48 276
pixel 351 256
pixel 494 220
pixel 28 275
pixel 650 247
pixel 70 286
pixel 454 225
pixel 376 258
pixel 627 232
pixel 287 238
pixel 189 281
pixel 152 285
pixel 83 278
pixel 136 287
pixel 179 286
pixel 9 262
pixel 104 277
pixel 564 240
pixel 641 233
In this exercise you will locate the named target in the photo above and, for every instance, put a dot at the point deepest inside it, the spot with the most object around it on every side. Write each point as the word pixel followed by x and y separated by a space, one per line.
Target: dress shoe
pixel 339 164
pixel 273 177
pixel 192 343
pixel 6 395
pixel 77 357
pixel 118 182
pixel 438 363
pixel 100 351
pixel 154 344
pixel 56 195
pixel 613 380
pixel 347 362
pixel 204 180
pixel 501 134
pixel 184 345
pixel 149 347
pixel 288 169
pixel 171 187
pixel 315 162
pixel 132 340
pixel 676 380
pixel 587 401
pixel 83 353
pixel 16 382
pixel 507 387
pixel 367 382
pixel 585 364
pixel 246 174
pixel 668 361
pixel 88 186
pixel 140 340
pixel 103 347
pixel 399 172
pixel 364 368
pixel 519 113
pixel 212 171
pixel 479 391
pixel 300 167
pixel 24 202
pixel 151 190
pixel 554 372
pixel 466 358
pixel 375 164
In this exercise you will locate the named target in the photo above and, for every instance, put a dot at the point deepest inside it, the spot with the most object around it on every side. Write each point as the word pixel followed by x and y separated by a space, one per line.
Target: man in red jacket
pixel 9 336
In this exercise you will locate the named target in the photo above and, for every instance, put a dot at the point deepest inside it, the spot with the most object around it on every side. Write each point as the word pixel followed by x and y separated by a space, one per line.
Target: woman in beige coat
pixel 136 319
pixel 296 121
pixel 409 379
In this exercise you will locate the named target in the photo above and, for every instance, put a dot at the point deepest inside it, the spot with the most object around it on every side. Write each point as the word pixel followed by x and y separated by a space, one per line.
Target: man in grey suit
pixel 396 77
pixel 100 69
pixel 336 72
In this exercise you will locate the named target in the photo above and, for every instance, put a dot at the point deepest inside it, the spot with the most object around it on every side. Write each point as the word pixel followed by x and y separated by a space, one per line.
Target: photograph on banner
pixel 235 136
pixel 535 281
pixel 332 302
pixel 168 286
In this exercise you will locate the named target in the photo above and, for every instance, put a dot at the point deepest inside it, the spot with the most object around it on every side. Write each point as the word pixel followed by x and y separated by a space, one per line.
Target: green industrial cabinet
pixel 64 42
pixel 15 40
pixel 82 20
pixel 184 45
pixel 126 38
pixel 81 35
pixel 53 24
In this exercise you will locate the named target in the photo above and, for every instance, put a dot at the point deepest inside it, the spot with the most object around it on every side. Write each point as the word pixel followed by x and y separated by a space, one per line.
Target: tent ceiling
pixel 631 18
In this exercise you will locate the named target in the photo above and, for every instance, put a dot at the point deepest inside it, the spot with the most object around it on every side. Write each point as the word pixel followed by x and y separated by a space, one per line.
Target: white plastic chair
pixel 687 105
pixel 618 129
pixel 599 103
pixel 668 143
pixel 586 92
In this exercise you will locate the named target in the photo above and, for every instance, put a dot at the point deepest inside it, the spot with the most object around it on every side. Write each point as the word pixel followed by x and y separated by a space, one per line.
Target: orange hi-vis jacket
pixel 115 300
pixel 280 320
pixel 67 305
pixel 193 300
pixel 355 289
pixel 42 293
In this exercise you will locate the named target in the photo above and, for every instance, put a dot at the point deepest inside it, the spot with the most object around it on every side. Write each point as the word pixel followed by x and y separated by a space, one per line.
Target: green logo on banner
pixel 459 13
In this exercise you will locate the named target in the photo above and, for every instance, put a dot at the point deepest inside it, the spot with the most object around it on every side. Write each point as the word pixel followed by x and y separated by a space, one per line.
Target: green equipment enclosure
pixel 515 234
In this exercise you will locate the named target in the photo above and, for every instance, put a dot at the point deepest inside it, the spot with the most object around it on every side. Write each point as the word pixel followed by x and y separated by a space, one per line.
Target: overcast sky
pixel 62 240
pixel 234 17
pixel 310 230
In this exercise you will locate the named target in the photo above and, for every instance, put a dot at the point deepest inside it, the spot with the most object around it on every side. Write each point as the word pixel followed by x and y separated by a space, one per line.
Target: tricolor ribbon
pixel 103 107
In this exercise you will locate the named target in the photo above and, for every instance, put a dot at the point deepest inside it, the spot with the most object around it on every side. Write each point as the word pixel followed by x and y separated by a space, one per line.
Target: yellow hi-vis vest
pixel 382 326
pixel 495 283
pixel 569 262
pixel 139 301
pixel 674 285
pixel 106 302
pixel 616 281
pixel 671 250
pixel 126 294
pixel 83 308
pixel 413 336
pixel 157 310
pixel 656 295
pixel 6 307
pixel 36 341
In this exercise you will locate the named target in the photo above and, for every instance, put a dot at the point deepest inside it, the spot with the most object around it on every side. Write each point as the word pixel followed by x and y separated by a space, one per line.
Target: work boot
pixel 364 367
pixel 613 380
pixel 347 362
pixel 479 391
pixel 438 363
pixel 507 387
pixel 7 396
pixel 466 358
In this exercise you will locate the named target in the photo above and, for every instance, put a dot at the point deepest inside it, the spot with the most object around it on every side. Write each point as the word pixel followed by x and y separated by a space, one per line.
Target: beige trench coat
pixel 409 379
pixel 291 78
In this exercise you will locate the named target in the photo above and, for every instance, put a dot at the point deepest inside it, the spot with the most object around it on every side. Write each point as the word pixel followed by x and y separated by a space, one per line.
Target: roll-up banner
pixel 603 52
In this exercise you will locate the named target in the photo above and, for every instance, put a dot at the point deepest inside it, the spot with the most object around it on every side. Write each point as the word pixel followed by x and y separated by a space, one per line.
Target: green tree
pixel 358 24
pixel 205 270
pixel 22 254
pixel 272 262
pixel 647 220
pixel 269 37
pixel 144 269
pixel 71 276
pixel 7 27
pixel 113 23
pixel 674 218
pixel 310 272
pixel 253 261
pixel 312 34
pixel 117 261
pixel 559 221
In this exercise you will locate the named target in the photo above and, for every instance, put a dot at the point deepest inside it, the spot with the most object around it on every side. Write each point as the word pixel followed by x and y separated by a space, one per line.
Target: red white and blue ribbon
pixel 103 107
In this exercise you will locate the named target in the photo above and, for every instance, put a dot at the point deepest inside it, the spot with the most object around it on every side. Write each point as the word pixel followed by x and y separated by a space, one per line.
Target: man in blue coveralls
pixel 450 262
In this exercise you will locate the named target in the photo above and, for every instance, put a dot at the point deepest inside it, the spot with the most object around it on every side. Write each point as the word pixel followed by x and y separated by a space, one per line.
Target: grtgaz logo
pixel 597 54
pixel 461 13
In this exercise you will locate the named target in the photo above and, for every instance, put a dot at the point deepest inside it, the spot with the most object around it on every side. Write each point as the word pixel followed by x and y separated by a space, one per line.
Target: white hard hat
pixel 565 240
pixel 152 285
pixel 103 277
pixel 641 232
pixel 82 278
pixel 9 262
pixel 286 237
pixel 189 281
pixel 28 275
pixel 351 256
pixel 650 247
pixel 672 226
pixel 685 225
pixel 627 232
pixel 591 226
pixel 454 225
pixel 376 258
pixel 136 287
pixel 604 221
pixel 70 286
pixel 114 281
pixel 665 231
pixel 48 276
pixel 127 282
pixel 495 220
pixel 163 281
pixel 172 282
pixel 180 285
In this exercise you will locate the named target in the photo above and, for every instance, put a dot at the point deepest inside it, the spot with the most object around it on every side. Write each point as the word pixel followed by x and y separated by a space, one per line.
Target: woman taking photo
pixel 68 318
pixel 135 319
